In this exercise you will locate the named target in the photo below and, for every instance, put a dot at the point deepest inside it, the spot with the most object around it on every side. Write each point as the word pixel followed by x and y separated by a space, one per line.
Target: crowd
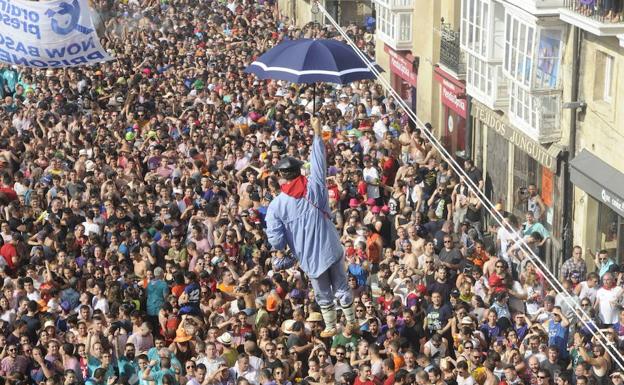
pixel 133 196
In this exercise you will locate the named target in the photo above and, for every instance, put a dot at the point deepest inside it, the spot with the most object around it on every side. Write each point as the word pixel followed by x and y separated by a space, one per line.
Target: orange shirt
pixel 373 249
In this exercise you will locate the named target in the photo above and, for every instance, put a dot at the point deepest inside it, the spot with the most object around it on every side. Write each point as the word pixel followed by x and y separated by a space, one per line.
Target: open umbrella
pixel 311 61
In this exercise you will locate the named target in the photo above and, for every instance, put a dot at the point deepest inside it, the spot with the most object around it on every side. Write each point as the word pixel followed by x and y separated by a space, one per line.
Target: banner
pixel 56 33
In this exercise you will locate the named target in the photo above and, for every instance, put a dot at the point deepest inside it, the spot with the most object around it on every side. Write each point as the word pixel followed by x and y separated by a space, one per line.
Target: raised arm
pixel 318 161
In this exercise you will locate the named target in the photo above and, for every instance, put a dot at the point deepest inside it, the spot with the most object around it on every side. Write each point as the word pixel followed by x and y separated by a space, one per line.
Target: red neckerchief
pixel 296 188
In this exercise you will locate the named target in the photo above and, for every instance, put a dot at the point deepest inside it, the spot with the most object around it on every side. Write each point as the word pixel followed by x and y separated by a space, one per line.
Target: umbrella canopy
pixel 311 61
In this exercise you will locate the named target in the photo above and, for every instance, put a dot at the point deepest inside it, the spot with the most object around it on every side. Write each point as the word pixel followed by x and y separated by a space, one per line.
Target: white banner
pixel 56 33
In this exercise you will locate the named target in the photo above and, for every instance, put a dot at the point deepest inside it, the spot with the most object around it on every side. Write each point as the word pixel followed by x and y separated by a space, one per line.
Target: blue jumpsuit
pixel 305 225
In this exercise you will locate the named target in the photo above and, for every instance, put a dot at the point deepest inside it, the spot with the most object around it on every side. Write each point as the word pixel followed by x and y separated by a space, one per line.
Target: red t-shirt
pixel 9 192
pixel 497 283
pixel 358 381
pixel 8 251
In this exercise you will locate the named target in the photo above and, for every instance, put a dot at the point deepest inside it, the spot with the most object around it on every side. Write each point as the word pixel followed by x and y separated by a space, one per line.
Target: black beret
pixel 287 163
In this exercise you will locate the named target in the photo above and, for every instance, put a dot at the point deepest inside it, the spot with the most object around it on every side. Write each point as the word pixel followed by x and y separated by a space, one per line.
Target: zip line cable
pixel 609 346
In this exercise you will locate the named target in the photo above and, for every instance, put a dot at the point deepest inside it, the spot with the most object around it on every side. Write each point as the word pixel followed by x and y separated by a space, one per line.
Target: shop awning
pixel 594 176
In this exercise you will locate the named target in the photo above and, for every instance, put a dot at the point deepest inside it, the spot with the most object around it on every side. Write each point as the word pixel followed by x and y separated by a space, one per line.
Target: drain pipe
pixel 568 213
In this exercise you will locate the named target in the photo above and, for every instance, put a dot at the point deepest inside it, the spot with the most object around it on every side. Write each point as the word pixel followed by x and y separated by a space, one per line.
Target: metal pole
pixel 313 98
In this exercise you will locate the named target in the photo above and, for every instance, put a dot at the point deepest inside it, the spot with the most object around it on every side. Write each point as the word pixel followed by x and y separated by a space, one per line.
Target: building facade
pixel 344 12
pixel 597 165
pixel 515 79
pixel 529 89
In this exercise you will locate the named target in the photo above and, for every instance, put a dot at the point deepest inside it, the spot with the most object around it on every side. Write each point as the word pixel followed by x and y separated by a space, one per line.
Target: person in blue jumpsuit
pixel 299 218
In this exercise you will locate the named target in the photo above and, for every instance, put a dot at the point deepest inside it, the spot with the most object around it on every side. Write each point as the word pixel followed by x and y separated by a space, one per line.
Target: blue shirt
pixel 129 370
pixel 558 336
pixel 158 375
pixel 304 224
pixel 156 292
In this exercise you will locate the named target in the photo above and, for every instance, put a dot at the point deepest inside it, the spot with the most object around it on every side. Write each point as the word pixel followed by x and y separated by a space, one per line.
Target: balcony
pixel 451 55
pixel 486 83
pixel 537 114
pixel 395 27
pixel 397 5
pixel 593 17
pixel 538 7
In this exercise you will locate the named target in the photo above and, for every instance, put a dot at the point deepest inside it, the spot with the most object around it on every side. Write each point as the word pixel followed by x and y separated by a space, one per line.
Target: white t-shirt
pixel 91 228
pixel 371 176
pixel 608 304
pixel 465 381
pixel 588 292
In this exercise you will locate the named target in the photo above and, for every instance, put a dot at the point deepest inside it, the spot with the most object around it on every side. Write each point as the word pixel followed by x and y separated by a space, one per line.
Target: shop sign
pixel 401 66
pixel 451 100
pixel 503 128
pixel 613 201
pixel 599 179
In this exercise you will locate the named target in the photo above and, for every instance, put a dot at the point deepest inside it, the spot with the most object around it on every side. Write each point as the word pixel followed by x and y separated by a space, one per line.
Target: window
pixel 519 38
pixel 610 235
pixel 405 27
pixel 521 105
pixel 480 74
pixel 474 26
pixel 547 70
pixel 394 27
pixel 603 77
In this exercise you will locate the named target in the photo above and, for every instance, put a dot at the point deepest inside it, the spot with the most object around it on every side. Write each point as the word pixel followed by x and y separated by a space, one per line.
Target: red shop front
pixel 453 98
pixel 403 76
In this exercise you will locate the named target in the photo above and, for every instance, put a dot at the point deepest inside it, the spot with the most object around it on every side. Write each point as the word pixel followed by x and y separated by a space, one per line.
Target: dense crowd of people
pixel 133 200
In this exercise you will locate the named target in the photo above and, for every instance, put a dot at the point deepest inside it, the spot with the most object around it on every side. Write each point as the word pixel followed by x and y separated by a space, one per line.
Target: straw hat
pixel 315 317
pixel 225 339
pixel 287 326
pixel 125 147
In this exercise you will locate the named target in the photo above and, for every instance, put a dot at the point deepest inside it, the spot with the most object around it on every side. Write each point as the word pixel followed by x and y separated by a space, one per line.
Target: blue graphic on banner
pixel 30 34
pixel 73 11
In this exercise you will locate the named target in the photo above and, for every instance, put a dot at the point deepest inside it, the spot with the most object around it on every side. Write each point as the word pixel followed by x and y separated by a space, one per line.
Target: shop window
pixel 497 161
pixel 526 171
pixel 603 77
pixel 610 232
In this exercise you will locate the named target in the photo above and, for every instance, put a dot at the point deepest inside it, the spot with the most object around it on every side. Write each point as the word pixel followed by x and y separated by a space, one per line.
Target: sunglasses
pixel 340 353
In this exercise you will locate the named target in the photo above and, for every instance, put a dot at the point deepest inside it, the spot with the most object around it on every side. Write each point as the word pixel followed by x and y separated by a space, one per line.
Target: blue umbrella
pixel 311 61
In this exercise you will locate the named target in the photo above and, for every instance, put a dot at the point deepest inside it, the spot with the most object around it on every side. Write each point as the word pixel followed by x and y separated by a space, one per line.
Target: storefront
pixel 403 76
pixel 454 111
pixel 511 161
pixel 604 186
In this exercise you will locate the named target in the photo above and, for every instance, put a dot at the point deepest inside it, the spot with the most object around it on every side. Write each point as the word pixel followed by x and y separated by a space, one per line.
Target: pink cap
pixel 353 203
pixel 375 209
pixel 370 201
